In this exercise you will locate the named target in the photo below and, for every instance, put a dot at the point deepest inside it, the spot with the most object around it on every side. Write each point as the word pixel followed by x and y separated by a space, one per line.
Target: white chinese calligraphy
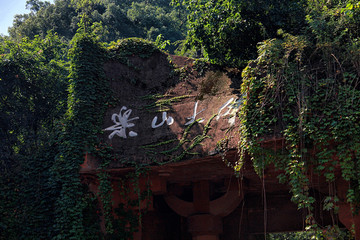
pixel 122 122
pixel 222 108
pixel 168 120
pixel 233 107
pixel 193 117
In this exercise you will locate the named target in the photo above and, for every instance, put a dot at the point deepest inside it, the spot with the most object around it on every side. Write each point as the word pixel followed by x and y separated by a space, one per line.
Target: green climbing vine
pixel 163 103
pixel 78 133
pixel 306 90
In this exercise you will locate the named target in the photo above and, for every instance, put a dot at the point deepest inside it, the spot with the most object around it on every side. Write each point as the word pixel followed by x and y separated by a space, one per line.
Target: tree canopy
pixel 33 80
pixel 120 19
pixel 228 31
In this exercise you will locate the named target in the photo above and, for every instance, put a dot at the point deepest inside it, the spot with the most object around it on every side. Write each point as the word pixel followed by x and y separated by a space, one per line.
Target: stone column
pixel 205 227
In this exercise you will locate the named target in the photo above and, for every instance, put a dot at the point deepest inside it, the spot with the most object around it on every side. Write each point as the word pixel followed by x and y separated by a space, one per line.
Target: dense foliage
pixel 306 89
pixel 78 134
pixel 33 97
pixel 228 31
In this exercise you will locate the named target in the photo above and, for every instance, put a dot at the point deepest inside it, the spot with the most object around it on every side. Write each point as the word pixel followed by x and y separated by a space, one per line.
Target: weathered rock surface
pixel 169 108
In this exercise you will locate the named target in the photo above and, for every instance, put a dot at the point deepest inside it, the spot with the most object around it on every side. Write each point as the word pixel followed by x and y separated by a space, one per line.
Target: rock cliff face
pixel 169 108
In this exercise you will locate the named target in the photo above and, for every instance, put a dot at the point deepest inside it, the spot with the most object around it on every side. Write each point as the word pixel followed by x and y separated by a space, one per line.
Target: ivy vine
pixel 314 105
pixel 78 133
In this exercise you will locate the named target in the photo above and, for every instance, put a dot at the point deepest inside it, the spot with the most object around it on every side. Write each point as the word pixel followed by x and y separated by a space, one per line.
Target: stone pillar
pixel 205 227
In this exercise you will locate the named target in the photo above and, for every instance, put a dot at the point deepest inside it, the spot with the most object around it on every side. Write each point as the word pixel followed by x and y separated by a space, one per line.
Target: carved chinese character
pixel 193 117
pixel 168 120
pixel 122 122
pixel 233 107
pixel 223 107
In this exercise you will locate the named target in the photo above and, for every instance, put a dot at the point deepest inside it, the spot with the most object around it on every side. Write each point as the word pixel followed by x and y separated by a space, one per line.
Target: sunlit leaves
pixel 228 31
